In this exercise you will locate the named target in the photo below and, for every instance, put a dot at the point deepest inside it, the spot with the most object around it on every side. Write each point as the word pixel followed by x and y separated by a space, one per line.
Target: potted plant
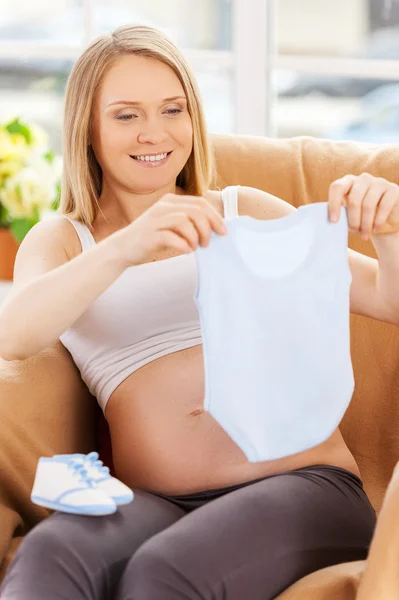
pixel 30 176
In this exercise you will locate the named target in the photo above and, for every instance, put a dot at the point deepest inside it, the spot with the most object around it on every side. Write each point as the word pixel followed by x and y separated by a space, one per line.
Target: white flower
pixel 12 146
pixel 39 138
pixel 31 190
pixel 49 171
pixel 9 168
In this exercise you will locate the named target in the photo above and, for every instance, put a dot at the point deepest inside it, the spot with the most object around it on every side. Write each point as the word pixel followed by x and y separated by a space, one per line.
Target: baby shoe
pixel 65 486
pixel 100 475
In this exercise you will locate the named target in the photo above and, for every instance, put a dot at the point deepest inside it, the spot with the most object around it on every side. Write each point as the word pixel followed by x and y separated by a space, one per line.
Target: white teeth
pixel 152 158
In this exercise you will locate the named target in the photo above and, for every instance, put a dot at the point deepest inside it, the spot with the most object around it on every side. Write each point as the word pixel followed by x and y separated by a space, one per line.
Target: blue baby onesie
pixel 273 300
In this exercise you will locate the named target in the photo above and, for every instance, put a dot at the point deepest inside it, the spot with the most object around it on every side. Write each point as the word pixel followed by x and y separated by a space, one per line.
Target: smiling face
pixel 141 128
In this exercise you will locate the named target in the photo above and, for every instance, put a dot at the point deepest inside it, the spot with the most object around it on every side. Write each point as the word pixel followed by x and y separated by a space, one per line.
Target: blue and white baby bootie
pixel 79 484
pixel 100 475
pixel 64 485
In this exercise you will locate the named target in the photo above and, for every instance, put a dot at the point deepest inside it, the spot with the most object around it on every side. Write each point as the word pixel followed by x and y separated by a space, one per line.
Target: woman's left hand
pixel 372 204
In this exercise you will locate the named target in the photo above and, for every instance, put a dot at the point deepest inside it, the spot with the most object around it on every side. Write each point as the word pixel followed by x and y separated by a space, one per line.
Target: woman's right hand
pixel 175 222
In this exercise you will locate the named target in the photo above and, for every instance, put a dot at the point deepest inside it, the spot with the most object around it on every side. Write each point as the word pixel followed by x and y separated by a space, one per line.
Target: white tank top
pixel 273 300
pixel 147 313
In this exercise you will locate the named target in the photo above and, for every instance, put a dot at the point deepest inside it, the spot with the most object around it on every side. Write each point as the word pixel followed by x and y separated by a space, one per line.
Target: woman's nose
pixel 152 133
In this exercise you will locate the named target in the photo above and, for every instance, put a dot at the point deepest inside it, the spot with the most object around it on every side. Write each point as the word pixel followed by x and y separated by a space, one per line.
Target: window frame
pixel 254 51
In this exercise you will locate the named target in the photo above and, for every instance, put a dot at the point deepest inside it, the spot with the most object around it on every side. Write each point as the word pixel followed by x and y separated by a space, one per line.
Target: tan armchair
pixel 46 409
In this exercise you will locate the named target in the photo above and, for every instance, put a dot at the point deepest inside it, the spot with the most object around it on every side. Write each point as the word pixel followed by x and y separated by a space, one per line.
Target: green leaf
pixel 36 215
pixel 20 128
pixel 20 227
pixel 55 205
pixel 3 216
pixel 49 156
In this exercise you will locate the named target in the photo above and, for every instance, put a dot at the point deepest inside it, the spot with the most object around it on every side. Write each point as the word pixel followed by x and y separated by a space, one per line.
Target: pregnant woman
pixel 113 276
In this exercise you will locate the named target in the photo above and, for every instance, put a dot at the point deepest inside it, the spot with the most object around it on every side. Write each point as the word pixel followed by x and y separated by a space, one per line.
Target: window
pixel 339 108
pixel 339 69
pixel 39 43
pixel 265 67
pixel 356 29
pixel 40 22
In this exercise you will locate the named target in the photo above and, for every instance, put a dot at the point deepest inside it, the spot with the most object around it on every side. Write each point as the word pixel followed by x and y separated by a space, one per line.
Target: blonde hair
pixel 82 175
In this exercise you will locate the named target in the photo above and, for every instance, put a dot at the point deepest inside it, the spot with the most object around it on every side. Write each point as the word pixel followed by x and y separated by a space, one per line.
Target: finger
pixel 369 208
pixel 212 214
pixel 202 223
pixel 355 199
pixel 385 207
pixel 180 223
pixel 199 220
pixel 169 239
pixel 337 195
pixel 190 212
pixel 188 231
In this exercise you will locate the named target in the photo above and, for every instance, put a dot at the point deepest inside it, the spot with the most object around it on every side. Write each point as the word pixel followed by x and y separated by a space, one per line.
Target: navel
pixel 196 411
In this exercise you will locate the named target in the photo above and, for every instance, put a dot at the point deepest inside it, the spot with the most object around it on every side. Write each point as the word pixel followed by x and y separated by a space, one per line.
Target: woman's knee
pixel 110 539
pixel 61 537
pixel 81 555
pixel 61 554
pixel 146 574
pixel 88 553
pixel 163 567
pixel 46 551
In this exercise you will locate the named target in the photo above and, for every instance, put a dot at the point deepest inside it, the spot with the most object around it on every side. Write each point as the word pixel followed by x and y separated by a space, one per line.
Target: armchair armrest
pixel 380 580
pixel 45 409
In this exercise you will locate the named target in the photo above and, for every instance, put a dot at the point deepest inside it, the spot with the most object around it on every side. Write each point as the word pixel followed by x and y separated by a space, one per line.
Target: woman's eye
pixel 126 117
pixel 130 117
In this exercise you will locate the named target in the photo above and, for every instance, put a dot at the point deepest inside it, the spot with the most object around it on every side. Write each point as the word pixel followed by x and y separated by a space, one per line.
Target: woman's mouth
pixel 151 160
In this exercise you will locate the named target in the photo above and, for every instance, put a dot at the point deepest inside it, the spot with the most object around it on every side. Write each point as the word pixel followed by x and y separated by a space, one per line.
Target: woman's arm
pixel 375 283
pixel 50 291
pixel 373 212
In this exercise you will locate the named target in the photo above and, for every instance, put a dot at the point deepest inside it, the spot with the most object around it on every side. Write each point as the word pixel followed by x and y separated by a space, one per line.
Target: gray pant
pixel 247 541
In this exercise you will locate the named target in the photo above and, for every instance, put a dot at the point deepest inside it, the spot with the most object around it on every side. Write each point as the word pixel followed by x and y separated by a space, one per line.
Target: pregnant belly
pixel 164 441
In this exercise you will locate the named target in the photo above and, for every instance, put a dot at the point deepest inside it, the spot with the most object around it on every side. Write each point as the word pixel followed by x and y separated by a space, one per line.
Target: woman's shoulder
pixel 55 232
pixel 254 203
pixel 214 197
pixel 49 244
pixel 261 204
